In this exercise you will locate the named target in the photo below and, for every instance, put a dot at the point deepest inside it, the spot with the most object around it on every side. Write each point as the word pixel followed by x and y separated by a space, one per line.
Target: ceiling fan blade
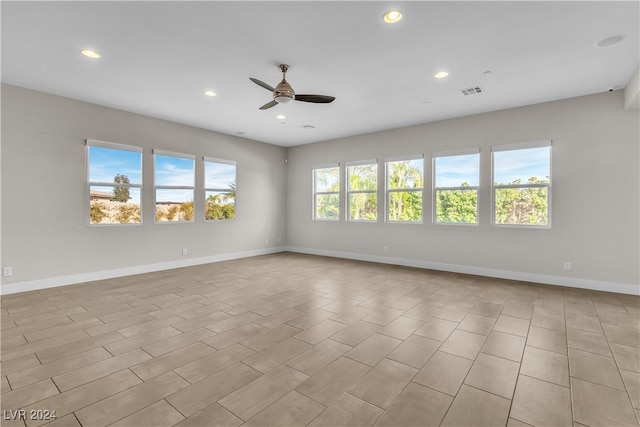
pixel 269 105
pixel 263 84
pixel 320 99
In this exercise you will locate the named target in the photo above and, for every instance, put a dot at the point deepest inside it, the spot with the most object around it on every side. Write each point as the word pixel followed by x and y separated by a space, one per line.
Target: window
pixel 114 183
pixel 326 193
pixel 522 184
pixel 456 177
pixel 219 189
pixel 174 186
pixel 362 190
pixel 404 190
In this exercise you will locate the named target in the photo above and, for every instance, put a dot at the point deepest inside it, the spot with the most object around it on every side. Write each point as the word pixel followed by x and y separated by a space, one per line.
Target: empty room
pixel 323 213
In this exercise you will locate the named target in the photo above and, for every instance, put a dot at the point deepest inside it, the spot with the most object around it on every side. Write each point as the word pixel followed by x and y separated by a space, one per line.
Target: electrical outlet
pixel 184 251
pixel 386 248
pixel 7 271
pixel 566 266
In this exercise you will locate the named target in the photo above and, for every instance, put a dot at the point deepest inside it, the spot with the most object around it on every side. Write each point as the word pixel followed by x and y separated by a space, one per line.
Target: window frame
pixel 388 190
pixel 514 147
pixel 111 146
pixel 435 189
pixel 206 160
pixel 316 193
pixel 349 192
pixel 156 187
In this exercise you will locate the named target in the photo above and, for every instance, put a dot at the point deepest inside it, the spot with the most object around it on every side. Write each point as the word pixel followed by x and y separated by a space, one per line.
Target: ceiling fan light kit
pixel 283 93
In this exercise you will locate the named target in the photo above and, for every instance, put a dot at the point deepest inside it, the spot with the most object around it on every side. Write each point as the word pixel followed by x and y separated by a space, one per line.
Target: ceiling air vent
pixel 472 90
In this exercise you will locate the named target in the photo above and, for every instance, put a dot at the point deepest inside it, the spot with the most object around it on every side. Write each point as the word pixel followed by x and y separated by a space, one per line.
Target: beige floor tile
pixel 269 337
pixel 595 368
pixel 9 342
pixel 317 357
pixel 422 312
pixel 320 332
pixel 48 370
pixel 356 333
pixel 233 322
pixel 382 384
pixel 473 407
pixel 348 410
pixel 401 327
pixel 632 383
pixel 538 402
pixel 444 372
pixel 118 324
pixel 416 406
pixel 186 325
pixel 597 405
pixel 437 329
pixel 504 345
pixel 405 303
pixel 512 422
pixel 222 417
pixel 129 401
pixel 588 341
pixel 313 304
pixel 19 364
pixel 463 344
pixel 198 396
pixel 66 421
pixel 546 365
pixel 247 401
pixel 546 320
pixel 170 361
pixel 415 351
pixel 4 386
pixel 76 347
pixel 312 318
pixel 383 316
pixel 98 370
pixel 332 381
pixel 22 397
pixel 277 354
pixel 493 374
pixel 512 325
pixel 340 305
pixel 618 318
pixel 627 358
pixel 352 315
pixel 213 363
pixel 477 324
pixel 584 322
pixel 279 317
pixel 488 309
pixel 452 313
pixel 547 339
pixel 233 336
pixel 125 345
pixel 372 350
pixel 160 414
pixel 41 345
pixel 292 409
pixel 72 400
pixel 62 330
pixel 176 342
pixel 142 328
pixel 621 335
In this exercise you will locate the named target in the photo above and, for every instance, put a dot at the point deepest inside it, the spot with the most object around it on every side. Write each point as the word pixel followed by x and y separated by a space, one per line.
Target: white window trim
pixel 89 183
pixel 224 162
pixel 156 187
pixel 350 192
pixel 388 190
pixel 315 193
pixel 476 188
pixel 548 186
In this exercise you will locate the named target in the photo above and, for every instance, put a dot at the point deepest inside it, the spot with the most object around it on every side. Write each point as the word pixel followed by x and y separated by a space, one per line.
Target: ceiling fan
pixel 283 93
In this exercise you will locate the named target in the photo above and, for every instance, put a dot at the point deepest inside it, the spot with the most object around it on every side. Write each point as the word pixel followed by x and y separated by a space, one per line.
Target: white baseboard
pixel 572 282
pixel 73 279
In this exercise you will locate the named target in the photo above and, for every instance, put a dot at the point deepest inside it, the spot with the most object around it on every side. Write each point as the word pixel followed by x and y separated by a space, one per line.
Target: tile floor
pixel 290 339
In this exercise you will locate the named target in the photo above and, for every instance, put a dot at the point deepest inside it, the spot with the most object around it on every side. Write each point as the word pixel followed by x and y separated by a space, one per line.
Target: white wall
pixel 44 233
pixel 595 198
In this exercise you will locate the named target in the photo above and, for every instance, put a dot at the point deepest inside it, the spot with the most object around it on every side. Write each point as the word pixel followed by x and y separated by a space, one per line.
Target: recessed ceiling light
pixel 241 133
pixel 210 93
pixel 90 53
pixel 486 72
pixel 441 74
pixel 280 117
pixel 392 16
pixel 609 41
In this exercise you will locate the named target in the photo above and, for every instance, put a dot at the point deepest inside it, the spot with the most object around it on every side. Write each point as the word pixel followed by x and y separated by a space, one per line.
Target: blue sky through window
pixel 219 175
pixel 512 165
pixel 106 163
pixel 453 171
pixel 174 171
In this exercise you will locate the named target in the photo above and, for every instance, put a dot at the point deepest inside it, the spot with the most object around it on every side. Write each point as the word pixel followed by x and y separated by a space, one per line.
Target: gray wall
pixel 44 207
pixel 595 197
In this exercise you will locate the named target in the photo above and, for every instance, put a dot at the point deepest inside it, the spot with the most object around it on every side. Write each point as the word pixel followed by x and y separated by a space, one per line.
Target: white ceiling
pixel 159 57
